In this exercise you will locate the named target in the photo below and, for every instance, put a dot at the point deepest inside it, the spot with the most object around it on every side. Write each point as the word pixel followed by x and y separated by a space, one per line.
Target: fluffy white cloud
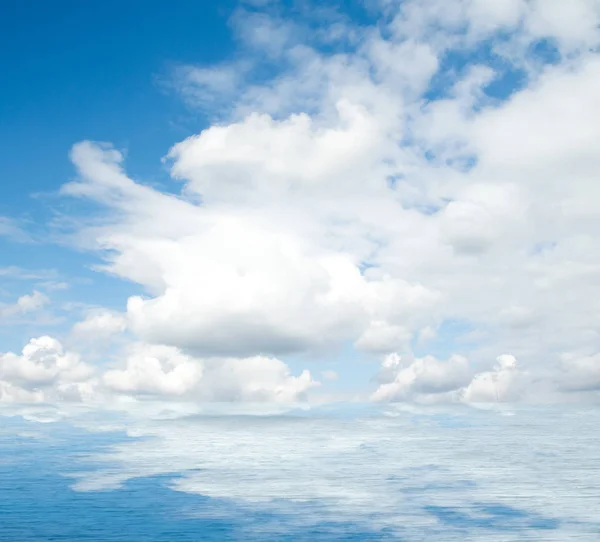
pixel 164 371
pixel 422 379
pixel 505 383
pixel 9 393
pixel 44 371
pixel 155 370
pixel 244 160
pixel 230 283
pixel 428 380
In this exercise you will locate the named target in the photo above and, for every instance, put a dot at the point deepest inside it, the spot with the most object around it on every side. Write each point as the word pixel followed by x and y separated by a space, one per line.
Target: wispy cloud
pixel 18 273
pixel 10 229
pixel 25 304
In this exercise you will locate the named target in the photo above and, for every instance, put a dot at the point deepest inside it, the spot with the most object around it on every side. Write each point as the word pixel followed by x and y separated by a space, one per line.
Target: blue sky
pixel 79 71
pixel 203 193
pixel 93 71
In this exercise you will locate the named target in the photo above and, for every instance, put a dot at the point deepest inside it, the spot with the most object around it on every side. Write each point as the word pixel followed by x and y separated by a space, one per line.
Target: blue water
pixel 37 504
pixel 413 477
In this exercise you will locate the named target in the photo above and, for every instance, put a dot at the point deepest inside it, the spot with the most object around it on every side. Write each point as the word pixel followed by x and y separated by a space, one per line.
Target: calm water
pixel 404 474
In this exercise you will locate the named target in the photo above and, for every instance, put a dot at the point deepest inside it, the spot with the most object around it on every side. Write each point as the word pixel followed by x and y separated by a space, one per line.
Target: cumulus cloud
pixel 44 371
pixel 421 379
pixel 155 370
pixel 231 283
pixel 164 371
pixel 257 379
pixel 428 380
pixel 505 383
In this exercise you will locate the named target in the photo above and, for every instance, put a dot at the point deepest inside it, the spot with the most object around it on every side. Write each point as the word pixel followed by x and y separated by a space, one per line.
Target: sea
pixel 151 472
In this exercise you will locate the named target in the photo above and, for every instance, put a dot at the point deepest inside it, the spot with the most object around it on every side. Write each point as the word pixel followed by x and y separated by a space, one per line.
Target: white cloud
pixel 428 380
pixel 425 335
pixel 422 379
pixel 492 16
pixel 164 371
pixel 155 370
pixel 24 305
pixel 381 336
pixel 18 273
pixel 44 371
pixel 579 373
pixel 573 24
pixel 505 383
pixel 257 379
pixel 9 393
pixel 28 303
pixel 209 87
pixel 100 325
pixel 245 160
pixel 269 288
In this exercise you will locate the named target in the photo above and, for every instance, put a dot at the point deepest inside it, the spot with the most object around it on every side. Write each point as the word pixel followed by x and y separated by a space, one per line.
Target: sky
pixel 292 202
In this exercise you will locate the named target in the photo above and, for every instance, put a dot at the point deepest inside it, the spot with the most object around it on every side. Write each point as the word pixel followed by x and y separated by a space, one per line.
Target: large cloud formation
pixel 429 381
pixel 46 372
pixel 166 371
pixel 441 166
